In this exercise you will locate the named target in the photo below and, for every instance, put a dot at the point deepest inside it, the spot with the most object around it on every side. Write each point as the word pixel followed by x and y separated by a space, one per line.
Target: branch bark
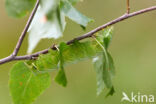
pixel 128 7
pixel 21 38
pixel 87 35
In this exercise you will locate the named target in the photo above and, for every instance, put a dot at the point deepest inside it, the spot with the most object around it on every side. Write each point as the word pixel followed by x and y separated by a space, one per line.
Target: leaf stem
pixel 104 51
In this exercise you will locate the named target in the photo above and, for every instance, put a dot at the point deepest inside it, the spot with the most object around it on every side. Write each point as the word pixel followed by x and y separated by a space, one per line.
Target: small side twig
pixel 128 7
pixel 21 38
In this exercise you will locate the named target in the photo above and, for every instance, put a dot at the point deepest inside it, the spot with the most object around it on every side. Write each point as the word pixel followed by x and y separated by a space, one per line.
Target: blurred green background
pixel 133 49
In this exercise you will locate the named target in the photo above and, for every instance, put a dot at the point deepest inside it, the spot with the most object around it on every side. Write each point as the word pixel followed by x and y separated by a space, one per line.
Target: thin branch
pixel 125 16
pixel 87 35
pixel 21 38
pixel 6 59
pixel 128 7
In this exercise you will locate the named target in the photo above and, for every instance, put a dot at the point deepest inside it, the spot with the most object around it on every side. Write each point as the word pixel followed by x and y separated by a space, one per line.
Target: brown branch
pixel 87 35
pixel 21 38
pixel 125 16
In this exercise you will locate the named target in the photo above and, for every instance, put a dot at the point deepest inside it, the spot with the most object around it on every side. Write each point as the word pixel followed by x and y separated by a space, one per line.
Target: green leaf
pixel 73 2
pixel 103 75
pixel 73 14
pixel 49 21
pixel 106 73
pixel 45 27
pixel 103 63
pixel 19 8
pixel 24 86
pixel 61 77
pixel 49 7
pixel 79 51
pixel 111 92
pixel 108 37
pixel 48 61
pixel 105 37
pixel 99 75
pixel 111 65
